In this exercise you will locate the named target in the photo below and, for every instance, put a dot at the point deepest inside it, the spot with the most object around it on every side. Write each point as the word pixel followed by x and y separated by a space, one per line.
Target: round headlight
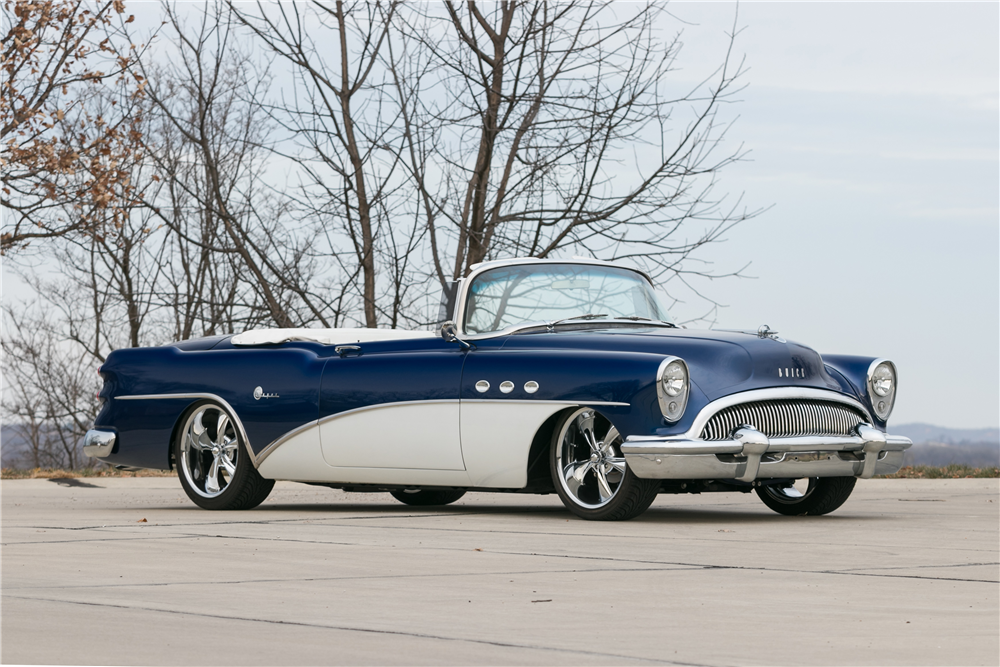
pixel 674 378
pixel 672 388
pixel 882 380
pixel 882 387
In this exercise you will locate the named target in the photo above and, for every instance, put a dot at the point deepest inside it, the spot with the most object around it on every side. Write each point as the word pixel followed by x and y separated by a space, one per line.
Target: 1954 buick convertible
pixel 564 376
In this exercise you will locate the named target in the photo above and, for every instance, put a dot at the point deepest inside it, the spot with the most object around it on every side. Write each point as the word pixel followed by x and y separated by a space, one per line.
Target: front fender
pixel 852 372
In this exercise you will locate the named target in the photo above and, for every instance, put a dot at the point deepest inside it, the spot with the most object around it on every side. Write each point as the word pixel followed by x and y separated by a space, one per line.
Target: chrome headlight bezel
pixel 673 407
pixel 882 404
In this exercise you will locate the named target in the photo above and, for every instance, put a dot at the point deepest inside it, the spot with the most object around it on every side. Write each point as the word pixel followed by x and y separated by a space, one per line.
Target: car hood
pixel 720 362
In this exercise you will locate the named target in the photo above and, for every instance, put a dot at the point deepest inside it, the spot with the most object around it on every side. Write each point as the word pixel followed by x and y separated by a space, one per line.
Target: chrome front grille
pixel 782 418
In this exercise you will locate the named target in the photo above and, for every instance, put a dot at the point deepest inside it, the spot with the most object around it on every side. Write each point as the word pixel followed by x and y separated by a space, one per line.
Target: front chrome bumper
pixel 98 444
pixel 751 455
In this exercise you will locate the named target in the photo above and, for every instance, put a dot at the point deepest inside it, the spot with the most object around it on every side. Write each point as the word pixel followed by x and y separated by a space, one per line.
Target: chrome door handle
pixel 344 350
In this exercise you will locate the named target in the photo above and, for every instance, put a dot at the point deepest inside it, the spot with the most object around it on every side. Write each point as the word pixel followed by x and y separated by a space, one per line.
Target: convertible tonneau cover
pixel 325 336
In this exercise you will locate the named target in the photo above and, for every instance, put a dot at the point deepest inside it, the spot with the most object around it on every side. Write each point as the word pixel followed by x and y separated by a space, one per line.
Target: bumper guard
pixel 98 444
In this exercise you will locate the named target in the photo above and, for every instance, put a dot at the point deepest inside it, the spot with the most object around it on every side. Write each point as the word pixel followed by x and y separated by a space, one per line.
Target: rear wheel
pixel 213 464
pixel 424 497
pixel 807 497
pixel 589 470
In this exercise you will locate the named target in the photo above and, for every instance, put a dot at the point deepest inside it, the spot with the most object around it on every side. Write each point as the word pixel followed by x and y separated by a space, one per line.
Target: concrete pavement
pixel 905 573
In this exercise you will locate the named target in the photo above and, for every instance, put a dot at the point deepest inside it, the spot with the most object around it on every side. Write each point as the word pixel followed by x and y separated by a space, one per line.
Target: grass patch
pixel 953 471
pixel 61 473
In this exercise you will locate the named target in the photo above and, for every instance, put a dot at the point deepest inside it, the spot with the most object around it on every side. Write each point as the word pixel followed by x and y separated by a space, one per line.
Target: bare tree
pixel 350 165
pixel 63 165
pixel 50 399
pixel 438 136
pixel 210 95
pixel 546 128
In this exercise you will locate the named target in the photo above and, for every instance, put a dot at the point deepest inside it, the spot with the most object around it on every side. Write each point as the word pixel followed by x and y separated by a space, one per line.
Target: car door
pixel 393 404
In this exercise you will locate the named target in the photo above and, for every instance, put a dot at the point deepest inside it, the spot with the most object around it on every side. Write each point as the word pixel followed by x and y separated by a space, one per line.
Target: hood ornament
pixel 766 332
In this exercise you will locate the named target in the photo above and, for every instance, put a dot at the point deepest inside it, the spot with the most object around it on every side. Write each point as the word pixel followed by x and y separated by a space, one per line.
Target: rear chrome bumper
pixel 98 444
pixel 751 455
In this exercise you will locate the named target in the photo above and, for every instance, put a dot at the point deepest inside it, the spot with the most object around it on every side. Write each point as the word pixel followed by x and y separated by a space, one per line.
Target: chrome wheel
pixel 589 460
pixel 209 451
pixel 793 492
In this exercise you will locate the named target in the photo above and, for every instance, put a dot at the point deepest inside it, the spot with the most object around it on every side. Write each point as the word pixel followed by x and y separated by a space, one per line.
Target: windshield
pixel 513 295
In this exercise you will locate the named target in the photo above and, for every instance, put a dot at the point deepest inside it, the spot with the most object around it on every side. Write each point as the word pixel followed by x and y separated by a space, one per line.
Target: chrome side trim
pixel 528 401
pixel 198 396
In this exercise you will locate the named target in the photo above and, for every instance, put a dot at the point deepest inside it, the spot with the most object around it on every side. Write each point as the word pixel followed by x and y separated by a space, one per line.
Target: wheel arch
pixel 200 399
pixel 538 470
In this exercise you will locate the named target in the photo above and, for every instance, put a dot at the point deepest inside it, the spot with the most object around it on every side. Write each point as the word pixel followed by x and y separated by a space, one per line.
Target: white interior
pixel 326 336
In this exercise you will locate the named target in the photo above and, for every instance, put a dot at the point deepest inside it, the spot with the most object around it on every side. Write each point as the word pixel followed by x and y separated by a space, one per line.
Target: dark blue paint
pixel 390 372
pixel 583 366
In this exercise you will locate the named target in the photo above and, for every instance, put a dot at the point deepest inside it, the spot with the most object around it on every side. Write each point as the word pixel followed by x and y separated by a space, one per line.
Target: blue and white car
pixel 555 376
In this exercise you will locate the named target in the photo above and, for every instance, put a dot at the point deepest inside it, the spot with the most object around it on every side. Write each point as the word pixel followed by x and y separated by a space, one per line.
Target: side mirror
pixel 450 333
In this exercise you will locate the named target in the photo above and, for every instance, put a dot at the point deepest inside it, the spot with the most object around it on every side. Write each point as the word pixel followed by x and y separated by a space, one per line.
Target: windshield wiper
pixel 636 318
pixel 588 316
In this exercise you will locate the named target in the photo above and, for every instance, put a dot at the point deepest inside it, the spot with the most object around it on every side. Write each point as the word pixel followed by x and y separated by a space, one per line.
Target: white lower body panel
pixel 300 459
pixel 421 435
pixel 415 443
pixel 496 439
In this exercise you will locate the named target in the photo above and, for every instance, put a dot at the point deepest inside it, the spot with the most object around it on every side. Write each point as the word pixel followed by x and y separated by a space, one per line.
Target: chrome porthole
pixel 530 386
pixel 209 451
pixel 589 459
pixel 506 386
pixel 482 386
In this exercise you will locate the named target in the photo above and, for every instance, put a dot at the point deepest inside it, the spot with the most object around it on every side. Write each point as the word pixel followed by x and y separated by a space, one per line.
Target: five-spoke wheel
pixel 212 461
pixel 590 473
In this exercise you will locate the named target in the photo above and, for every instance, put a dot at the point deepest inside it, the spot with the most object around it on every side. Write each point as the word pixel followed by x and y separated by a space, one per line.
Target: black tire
pixel 425 497
pixel 822 496
pixel 198 450
pixel 606 489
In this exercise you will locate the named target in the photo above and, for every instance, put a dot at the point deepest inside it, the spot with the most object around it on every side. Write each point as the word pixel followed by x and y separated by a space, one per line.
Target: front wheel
pixel 590 473
pixel 213 464
pixel 807 497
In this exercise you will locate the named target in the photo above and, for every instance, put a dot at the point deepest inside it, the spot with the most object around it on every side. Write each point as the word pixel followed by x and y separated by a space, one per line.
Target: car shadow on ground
pixel 722 516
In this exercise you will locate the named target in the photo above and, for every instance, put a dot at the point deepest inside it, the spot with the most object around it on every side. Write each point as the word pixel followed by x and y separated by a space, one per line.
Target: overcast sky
pixel 874 131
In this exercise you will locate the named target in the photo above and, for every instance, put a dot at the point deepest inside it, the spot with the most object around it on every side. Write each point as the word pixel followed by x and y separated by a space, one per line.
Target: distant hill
pixel 940 446
pixel 11 447
pixel 920 433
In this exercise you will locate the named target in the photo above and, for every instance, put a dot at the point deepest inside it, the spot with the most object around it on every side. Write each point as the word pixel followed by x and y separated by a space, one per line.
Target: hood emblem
pixel 258 394
pixel 791 372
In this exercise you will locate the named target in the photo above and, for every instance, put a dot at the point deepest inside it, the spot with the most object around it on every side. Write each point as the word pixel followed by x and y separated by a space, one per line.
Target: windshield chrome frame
pixel 514 328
